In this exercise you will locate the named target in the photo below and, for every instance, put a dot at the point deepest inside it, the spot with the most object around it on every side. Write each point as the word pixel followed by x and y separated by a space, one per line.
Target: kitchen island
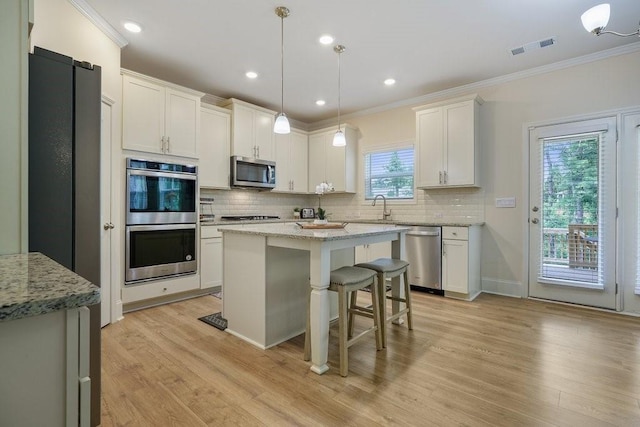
pixel 44 342
pixel 268 269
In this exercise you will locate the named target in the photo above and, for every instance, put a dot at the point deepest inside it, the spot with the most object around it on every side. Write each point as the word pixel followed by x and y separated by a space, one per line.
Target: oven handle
pixel 156 227
pixel 161 174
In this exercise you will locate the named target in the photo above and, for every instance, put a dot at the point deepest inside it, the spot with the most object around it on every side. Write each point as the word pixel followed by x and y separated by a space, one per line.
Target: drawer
pixel 209 232
pixel 455 233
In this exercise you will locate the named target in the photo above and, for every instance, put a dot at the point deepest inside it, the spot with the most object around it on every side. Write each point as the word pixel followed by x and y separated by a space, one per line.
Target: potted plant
pixel 322 217
pixel 296 213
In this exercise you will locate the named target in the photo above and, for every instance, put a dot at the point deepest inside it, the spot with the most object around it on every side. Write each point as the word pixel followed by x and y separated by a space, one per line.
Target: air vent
pixel 533 45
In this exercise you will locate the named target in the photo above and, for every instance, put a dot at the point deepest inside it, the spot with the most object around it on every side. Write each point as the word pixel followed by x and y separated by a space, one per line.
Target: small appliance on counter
pixel 307 213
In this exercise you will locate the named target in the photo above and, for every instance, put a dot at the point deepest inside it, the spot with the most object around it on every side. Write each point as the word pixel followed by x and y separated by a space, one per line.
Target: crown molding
pixel 97 20
pixel 473 87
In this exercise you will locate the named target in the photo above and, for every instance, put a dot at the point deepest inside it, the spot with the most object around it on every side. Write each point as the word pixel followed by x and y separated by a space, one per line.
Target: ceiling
pixel 426 45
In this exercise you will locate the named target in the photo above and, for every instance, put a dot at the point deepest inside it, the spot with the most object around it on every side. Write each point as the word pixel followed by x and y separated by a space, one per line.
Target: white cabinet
pixel 210 257
pixel 448 143
pixel 373 251
pixel 251 130
pixel 461 262
pixel 336 165
pixel 215 140
pixel 292 152
pixel 158 117
pixel 45 370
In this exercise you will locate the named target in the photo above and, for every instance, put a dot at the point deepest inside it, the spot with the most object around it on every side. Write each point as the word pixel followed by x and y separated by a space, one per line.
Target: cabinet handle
pixel 258 147
pixel 162 144
pixel 440 179
pixel 446 177
pixel 168 144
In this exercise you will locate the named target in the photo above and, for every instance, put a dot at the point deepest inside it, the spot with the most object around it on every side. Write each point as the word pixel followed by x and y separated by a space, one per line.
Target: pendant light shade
pixel 339 139
pixel 595 19
pixel 281 124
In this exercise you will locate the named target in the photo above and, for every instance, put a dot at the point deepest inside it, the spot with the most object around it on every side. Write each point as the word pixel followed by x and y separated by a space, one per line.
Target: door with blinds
pixel 572 212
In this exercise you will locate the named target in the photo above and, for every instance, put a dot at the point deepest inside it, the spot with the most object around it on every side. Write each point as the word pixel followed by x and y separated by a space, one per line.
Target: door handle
pixel 535 220
pixel 535 209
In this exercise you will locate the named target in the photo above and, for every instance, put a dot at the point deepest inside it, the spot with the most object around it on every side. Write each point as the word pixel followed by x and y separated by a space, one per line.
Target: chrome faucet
pixel 385 215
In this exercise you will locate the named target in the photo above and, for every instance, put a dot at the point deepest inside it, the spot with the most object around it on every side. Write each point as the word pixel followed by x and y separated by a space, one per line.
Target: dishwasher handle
pixel 423 233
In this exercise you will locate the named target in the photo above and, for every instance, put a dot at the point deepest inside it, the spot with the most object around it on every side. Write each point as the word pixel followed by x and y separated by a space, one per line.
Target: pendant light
pixel 338 139
pixel 281 124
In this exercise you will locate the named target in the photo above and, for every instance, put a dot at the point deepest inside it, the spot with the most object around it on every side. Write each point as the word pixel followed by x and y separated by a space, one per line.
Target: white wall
pixel 599 86
pixel 13 126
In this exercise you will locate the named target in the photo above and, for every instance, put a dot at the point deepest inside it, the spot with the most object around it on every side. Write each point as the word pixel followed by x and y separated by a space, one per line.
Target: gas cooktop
pixel 247 217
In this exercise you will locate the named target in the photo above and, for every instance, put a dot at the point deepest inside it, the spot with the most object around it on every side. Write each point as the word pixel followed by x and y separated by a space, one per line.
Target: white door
pixel 105 213
pixel 572 212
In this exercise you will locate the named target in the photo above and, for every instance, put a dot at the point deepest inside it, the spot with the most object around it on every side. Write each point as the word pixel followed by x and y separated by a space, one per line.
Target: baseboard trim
pixel 507 288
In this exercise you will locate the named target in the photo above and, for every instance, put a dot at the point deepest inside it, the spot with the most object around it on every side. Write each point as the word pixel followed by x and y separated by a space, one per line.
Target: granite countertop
pixel 33 284
pixel 292 230
pixel 352 221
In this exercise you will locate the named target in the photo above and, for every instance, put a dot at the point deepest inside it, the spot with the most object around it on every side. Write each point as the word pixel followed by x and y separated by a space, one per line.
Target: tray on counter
pixel 331 225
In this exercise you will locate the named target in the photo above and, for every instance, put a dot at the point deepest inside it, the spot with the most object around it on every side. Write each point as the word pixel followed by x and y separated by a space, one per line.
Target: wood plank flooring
pixel 496 361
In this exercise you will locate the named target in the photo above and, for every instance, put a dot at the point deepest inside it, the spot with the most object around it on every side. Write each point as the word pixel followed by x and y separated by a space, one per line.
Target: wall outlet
pixel 505 202
pixel 438 214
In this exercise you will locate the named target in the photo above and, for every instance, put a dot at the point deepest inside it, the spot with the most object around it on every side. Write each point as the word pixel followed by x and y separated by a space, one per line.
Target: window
pixel 389 173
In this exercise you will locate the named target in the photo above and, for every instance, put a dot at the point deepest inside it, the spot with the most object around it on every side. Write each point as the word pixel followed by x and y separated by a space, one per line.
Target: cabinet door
pixel 263 133
pixel 210 262
pixel 243 139
pixel 455 266
pixel 298 159
pixel 430 136
pixel 336 163
pixel 214 148
pixel 142 115
pixel 182 124
pixel 283 165
pixel 317 161
pixel 460 143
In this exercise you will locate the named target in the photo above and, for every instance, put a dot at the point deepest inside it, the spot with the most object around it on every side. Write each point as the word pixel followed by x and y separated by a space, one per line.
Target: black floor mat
pixel 216 320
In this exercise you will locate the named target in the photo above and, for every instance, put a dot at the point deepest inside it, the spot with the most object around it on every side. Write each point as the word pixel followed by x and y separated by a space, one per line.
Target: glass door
pixel 572 218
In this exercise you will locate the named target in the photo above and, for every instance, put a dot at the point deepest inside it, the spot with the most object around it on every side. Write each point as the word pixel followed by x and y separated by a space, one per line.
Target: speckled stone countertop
pixel 353 221
pixel 33 284
pixel 292 230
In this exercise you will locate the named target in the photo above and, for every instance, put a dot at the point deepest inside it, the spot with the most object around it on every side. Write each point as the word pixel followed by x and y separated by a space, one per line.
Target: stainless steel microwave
pixel 253 173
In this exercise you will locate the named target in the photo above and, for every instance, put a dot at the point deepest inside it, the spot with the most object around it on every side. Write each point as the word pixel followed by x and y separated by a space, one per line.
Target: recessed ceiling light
pixel 320 102
pixel 132 27
pixel 251 74
pixel 326 39
pixel 390 82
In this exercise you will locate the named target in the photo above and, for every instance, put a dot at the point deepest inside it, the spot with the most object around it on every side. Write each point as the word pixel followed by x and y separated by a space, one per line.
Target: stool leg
pixel 375 306
pixel 342 330
pixel 354 298
pixel 382 307
pixel 407 296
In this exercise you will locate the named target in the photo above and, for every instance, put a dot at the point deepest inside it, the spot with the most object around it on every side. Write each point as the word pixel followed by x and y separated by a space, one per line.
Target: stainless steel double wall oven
pixel 161 220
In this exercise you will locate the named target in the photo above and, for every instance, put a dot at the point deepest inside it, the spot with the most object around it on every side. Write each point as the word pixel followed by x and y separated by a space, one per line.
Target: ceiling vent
pixel 532 46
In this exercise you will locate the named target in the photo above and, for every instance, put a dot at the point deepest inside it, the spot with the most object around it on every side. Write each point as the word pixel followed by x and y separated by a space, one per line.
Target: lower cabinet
pixel 366 253
pixel 461 262
pixel 210 258
pixel 45 370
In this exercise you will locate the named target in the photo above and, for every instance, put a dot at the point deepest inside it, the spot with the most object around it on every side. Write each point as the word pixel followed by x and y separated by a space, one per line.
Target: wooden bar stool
pixel 346 280
pixel 388 268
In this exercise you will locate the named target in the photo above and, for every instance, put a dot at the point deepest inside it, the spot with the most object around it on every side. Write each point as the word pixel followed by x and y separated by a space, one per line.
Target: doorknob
pixel 108 226
pixel 535 220
pixel 535 209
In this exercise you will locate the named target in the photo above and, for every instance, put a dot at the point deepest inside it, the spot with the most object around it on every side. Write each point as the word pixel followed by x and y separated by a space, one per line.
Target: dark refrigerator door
pixel 64 176
pixel 51 213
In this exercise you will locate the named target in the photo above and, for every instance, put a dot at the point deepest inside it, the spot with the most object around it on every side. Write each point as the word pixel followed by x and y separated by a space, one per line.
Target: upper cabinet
pixel 251 130
pixel 159 117
pixel 335 165
pixel 291 151
pixel 448 144
pixel 215 140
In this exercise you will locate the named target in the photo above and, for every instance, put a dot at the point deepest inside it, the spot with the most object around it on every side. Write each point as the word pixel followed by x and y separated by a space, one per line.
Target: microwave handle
pixel 272 175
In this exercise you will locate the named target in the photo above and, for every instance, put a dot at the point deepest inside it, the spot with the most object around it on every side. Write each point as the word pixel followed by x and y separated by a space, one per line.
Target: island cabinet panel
pixel 158 117
pixel 292 162
pixel 251 130
pixel 210 258
pixel 448 143
pixel 461 262
pixel 215 140
pixel 335 165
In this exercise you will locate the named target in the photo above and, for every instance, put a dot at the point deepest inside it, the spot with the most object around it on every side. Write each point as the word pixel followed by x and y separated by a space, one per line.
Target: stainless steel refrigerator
pixel 64 175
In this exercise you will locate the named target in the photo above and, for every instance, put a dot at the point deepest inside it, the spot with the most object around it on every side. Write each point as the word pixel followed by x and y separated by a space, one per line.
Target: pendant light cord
pixel 339 55
pixel 282 64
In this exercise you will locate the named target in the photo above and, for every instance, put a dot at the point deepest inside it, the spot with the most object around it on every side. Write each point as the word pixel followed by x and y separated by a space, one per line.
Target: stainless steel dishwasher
pixel 423 247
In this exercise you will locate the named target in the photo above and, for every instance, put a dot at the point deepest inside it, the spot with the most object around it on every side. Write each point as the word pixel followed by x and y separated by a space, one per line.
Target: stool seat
pixel 388 268
pixel 385 265
pixel 348 280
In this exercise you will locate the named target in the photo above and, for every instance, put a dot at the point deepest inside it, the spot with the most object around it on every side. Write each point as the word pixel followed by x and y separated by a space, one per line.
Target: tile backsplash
pixel 461 205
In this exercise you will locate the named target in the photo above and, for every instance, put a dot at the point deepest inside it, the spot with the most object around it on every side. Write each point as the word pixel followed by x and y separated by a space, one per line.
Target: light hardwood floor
pixel 496 361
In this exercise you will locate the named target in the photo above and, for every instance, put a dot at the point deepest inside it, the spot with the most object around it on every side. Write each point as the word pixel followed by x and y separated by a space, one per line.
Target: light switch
pixel 505 202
